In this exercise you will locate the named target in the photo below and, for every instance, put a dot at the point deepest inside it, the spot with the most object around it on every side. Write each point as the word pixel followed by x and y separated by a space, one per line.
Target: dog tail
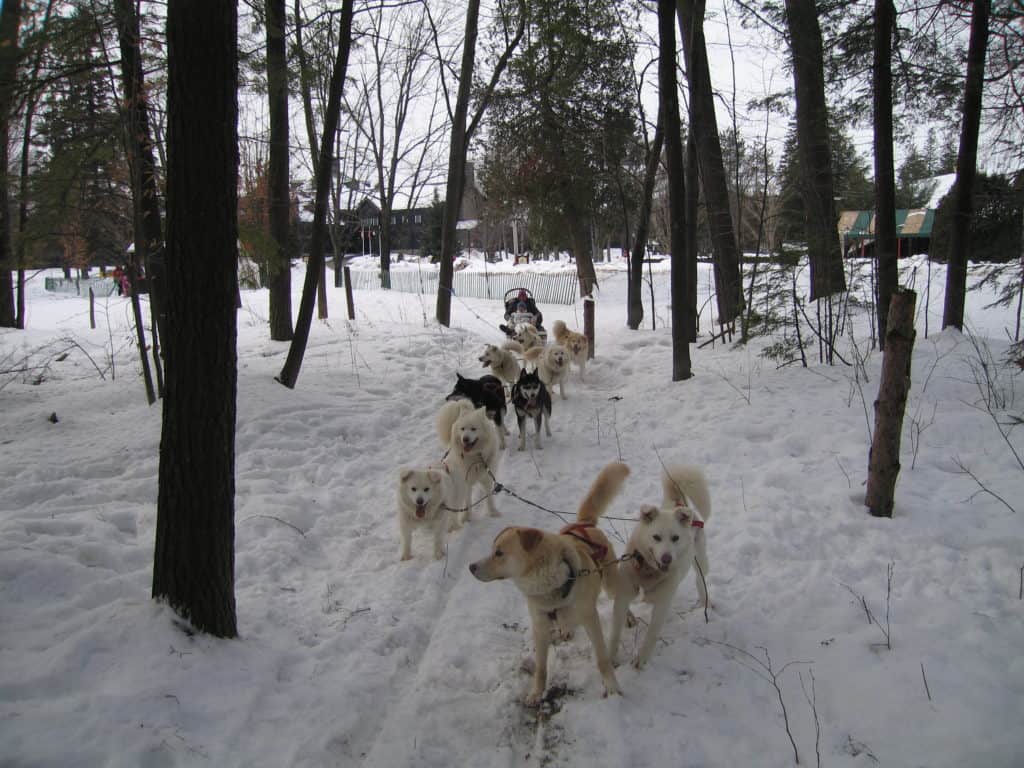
pixel 684 484
pixel 602 491
pixel 558 328
pixel 446 418
pixel 533 354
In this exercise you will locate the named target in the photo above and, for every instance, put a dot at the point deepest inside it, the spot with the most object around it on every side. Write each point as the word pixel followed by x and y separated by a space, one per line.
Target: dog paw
pixel 639 663
pixel 439 554
pixel 406 557
pixel 533 699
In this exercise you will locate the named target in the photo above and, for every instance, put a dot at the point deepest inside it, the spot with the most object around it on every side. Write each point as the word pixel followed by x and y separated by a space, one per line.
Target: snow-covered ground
pixel 348 657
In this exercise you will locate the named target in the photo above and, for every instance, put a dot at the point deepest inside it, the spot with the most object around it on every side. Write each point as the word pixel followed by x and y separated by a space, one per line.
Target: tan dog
pixel 528 337
pixel 502 362
pixel 552 364
pixel 575 343
pixel 561 575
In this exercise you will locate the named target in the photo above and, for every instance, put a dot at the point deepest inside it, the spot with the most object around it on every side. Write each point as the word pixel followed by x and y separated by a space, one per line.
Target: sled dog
pixel 471 441
pixel 502 362
pixel 575 343
pixel 531 400
pixel 552 364
pixel 561 576
pixel 487 392
pixel 663 546
pixel 424 498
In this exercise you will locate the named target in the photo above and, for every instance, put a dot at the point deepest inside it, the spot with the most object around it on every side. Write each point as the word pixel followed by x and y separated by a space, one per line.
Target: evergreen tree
pixel 566 121
pixel 82 193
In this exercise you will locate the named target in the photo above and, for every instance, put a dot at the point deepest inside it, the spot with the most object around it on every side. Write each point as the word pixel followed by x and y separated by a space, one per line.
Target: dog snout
pixel 666 559
pixel 473 568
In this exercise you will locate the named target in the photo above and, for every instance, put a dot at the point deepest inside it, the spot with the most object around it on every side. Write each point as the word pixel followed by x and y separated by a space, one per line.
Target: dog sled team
pixel 561 574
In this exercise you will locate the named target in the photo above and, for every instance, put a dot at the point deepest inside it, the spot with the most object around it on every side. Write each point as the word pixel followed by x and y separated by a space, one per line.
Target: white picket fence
pixel 101 286
pixel 553 288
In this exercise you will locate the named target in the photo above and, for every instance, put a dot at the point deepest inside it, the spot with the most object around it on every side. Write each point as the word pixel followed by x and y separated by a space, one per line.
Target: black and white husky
pixel 531 399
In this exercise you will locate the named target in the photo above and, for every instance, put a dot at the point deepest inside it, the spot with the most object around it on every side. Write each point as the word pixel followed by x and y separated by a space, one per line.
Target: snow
pixel 348 657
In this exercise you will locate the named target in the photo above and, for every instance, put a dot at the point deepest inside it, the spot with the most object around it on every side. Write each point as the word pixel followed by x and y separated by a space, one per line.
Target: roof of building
pixel 913 222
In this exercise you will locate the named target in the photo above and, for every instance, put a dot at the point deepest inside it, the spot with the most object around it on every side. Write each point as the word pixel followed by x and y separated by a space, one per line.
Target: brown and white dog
pixel 664 544
pixel 561 576
pixel 575 343
pixel 552 364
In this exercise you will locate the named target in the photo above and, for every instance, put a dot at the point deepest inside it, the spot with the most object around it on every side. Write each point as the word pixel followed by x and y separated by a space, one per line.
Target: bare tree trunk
pixel 456 168
pixel 279 272
pixel 147 226
pixel 290 372
pixel 885 179
pixel 10 53
pixel 966 170
pixel 682 313
pixel 460 135
pixel 635 307
pixel 815 154
pixel 893 386
pixel 704 127
pixel 31 102
pixel 690 250
pixel 193 564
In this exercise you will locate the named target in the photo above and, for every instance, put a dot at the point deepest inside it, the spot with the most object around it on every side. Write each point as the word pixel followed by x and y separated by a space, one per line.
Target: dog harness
pixel 578 531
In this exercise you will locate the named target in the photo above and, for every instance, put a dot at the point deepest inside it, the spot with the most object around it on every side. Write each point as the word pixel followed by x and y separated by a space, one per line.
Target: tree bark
pixel 885 176
pixel 10 54
pixel 279 274
pixel 704 126
pixel 456 168
pixel 460 136
pixel 296 351
pixel 147 226
pixel 818 189
pixel 893 386
pixel 966 170
pixel 635 307
pixel 668 104
pixel 193 566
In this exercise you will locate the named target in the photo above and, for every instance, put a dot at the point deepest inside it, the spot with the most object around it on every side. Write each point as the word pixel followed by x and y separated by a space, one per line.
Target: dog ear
pixel 405 473
pixel 648 513
pixel 435 476
pixel 683 514
pixel 529 538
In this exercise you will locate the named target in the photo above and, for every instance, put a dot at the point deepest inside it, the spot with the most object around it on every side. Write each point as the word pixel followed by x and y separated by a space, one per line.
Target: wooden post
pixel 348 293
pixel 884 458
pixel 588 324
pixel 92 309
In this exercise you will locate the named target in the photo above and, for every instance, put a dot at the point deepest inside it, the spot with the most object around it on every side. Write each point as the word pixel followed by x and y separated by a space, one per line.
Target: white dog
pixel 552 366
pixel 424 498
pixel 502 362
pixel 663 545
pixel 471 440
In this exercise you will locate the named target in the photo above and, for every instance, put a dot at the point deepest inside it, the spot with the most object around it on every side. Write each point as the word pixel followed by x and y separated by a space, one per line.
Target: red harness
pixel 579 531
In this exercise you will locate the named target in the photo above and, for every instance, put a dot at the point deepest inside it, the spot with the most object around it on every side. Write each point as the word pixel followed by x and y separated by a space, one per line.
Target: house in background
pixel 913 231
pixel 409 225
